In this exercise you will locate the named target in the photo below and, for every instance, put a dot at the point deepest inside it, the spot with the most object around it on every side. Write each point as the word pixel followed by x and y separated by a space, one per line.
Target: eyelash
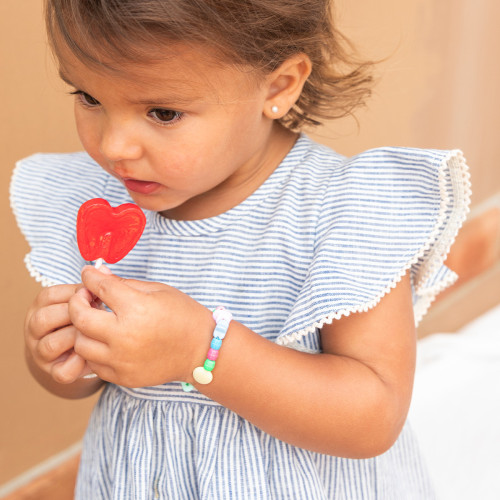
pixel 83 99
pixel 177 116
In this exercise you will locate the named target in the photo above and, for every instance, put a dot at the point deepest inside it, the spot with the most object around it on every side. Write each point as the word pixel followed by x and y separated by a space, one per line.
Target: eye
pixel 86 99
pixel 165 116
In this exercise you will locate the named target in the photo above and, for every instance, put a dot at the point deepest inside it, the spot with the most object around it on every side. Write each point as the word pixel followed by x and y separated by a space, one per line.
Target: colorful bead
pixel 221 329
pixel 216 343
pixel 187 387
pixel 222 314
pixel 202 376
pixel 209 365
pixel 212 354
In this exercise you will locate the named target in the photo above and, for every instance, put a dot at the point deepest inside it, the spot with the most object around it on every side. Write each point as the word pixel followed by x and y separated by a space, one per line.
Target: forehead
pixel 179 68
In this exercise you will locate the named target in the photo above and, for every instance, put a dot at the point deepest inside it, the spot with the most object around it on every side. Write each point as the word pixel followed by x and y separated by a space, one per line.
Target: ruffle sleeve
pixel 386 212
pixel 46 192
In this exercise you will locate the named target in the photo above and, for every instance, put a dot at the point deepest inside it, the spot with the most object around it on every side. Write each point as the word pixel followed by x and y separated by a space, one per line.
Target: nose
pixel 120 141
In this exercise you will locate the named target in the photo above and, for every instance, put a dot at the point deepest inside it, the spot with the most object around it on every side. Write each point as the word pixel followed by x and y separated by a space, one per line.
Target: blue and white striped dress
pixel 324 236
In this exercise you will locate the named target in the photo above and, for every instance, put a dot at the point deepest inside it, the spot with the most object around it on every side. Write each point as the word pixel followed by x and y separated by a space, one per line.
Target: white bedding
pixel 456 409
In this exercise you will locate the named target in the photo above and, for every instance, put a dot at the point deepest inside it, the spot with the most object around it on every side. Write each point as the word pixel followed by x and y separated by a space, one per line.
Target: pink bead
pixel 212 354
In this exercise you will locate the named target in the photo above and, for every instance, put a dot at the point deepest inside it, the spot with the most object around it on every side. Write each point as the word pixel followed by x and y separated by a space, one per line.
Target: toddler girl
pixel 299 386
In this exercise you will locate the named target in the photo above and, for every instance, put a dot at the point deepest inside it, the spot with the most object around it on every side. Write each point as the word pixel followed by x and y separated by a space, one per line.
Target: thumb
pixel 109 288
pixel 141 286
pixel 145 286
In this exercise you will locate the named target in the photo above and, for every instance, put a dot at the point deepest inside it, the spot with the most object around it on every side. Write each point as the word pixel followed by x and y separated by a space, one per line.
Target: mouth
pixel 142 187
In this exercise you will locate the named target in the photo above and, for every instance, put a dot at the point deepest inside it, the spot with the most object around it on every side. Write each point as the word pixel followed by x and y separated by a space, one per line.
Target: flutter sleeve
pixel 46 192
pixel 386 212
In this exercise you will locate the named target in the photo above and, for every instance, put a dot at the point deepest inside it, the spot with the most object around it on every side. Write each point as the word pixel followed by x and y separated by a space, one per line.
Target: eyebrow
pixel 174 99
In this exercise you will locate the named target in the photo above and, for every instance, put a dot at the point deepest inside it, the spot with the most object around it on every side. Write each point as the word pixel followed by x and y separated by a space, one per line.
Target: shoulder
pixel 387 165
pixel 56 176
pixel 386 181
pixel 46 192
pixel 382 212
pixel 59 182
pixel 374 167
pixel 71 163
pixel 395 182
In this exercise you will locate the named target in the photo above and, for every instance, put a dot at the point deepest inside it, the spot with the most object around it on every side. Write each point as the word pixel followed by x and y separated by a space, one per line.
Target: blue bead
pixel 221 329
pixel 216 343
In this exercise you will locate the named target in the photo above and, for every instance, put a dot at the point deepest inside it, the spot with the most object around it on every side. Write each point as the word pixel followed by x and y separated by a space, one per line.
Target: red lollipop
pixel 106 232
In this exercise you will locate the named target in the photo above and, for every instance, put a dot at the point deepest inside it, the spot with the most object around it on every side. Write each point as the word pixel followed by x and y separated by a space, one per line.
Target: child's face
pixel 186 136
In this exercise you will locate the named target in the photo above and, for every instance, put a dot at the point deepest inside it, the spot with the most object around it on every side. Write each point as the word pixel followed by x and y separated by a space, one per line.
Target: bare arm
pixel 351 400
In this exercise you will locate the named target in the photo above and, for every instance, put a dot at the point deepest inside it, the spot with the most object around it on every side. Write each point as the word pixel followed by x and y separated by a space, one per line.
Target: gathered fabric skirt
pixel 162 443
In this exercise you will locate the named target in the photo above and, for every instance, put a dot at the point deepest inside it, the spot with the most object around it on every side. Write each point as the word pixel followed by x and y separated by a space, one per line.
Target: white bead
pixel 202 376
pixel 222 315
pixel 275 109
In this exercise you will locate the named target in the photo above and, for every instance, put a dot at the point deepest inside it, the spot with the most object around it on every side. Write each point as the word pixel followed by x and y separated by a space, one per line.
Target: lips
pixel 142 187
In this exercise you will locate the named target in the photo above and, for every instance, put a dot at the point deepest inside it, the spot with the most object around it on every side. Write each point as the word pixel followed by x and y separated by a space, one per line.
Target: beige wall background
pixel 437 87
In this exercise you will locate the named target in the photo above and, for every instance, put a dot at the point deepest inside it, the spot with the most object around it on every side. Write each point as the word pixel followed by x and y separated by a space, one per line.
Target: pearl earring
pixel 275 109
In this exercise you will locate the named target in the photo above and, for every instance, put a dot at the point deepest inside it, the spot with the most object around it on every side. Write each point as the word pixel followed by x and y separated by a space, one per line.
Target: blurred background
pixel 437 88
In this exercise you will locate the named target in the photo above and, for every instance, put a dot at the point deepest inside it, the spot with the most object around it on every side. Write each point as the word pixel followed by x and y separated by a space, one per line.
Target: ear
pixel 285 85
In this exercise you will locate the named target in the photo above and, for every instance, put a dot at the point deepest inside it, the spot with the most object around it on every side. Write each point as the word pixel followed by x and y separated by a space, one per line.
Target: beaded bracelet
pixel 203 374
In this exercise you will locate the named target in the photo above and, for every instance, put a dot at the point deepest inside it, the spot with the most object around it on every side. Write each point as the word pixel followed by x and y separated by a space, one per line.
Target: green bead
pixel 209 365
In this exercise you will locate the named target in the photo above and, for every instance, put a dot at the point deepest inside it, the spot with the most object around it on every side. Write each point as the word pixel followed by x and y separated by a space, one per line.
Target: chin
pixel 153 204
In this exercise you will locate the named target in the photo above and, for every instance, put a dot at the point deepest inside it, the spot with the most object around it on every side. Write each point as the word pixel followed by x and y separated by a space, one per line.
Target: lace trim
pixel 34 273
pixel 439 242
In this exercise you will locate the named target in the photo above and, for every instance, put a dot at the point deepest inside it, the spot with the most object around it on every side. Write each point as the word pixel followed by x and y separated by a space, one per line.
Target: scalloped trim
pixel 34 273
pixel 439 242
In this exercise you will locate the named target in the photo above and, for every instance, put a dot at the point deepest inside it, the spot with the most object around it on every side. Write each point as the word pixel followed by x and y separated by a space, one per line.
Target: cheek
pixel 86 129
pixel 181 155
pixel 90 139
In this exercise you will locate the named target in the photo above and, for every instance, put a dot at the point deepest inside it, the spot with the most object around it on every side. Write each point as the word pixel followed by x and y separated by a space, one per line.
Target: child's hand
pixel 50 336
pixel 150 337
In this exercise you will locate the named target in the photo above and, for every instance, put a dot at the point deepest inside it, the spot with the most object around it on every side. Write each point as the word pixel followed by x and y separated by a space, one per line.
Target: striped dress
pixel 324 236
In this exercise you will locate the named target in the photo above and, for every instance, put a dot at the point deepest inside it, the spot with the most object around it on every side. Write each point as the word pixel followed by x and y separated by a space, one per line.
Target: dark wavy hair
pixel 260 33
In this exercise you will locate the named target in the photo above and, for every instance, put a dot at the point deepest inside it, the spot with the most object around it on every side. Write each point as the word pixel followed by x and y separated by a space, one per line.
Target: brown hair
pixel 260 33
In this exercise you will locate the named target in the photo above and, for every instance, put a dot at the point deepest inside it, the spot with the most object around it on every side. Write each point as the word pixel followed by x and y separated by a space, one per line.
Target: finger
pixel 57 294
pixel 66 372
pixel 111 289
pixel 104 372
pixel 95 323
pixel 94 301
pixel 91 350
pixel 47 319
pixel 55 344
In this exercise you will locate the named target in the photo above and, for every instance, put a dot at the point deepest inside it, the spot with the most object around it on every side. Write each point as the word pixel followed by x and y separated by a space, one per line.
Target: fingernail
pixel 105 269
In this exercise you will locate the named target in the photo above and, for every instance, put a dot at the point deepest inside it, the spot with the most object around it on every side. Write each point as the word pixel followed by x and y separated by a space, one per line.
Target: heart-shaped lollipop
pixel 106 232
